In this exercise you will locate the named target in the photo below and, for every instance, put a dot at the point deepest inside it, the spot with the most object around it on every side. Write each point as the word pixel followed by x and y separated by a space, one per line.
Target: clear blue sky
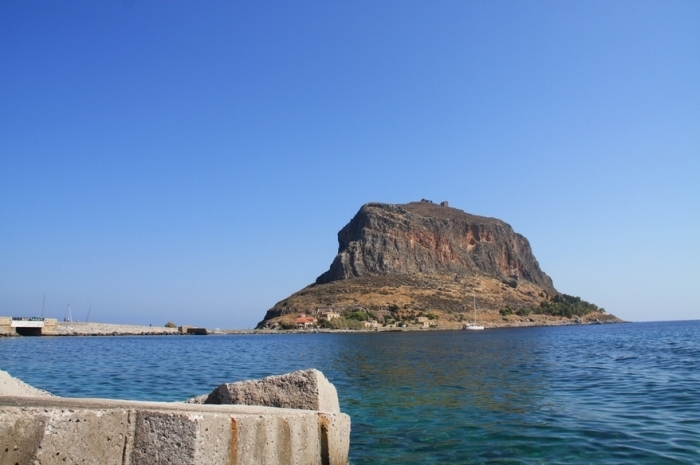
pixel 193 161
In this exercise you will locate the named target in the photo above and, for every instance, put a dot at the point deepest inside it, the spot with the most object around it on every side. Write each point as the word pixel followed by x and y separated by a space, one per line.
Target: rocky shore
pixel 107 329
pixel 457 326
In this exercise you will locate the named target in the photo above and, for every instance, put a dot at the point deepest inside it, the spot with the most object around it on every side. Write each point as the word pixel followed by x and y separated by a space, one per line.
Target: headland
pixel 429 265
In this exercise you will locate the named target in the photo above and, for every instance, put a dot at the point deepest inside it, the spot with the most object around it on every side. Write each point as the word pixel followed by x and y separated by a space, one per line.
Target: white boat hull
pixel 473 328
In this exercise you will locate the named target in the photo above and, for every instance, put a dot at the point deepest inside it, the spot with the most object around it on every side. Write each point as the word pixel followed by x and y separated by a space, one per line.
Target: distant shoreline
pixel 109 329
pixel 417 329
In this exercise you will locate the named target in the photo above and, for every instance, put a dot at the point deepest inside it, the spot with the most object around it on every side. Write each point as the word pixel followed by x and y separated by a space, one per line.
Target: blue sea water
pixel 602 394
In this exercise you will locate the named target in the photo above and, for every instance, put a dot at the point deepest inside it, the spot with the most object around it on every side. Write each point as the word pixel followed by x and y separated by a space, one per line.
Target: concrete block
pixel 79 436
pixel 6 328
pixel 162 437
pixel 53 430
pixel 49 328
pixel 57 436
pixel 39 429
pixel 284 438
pixel 335 437
pixel 21 434
pixel 11 386
pixel 303 389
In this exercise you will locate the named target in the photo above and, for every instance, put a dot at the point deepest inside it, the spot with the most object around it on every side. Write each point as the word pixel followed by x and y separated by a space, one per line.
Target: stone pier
pixel 27 326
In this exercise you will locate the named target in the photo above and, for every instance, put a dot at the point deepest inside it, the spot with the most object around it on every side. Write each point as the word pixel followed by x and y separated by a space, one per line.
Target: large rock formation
pixel 422 257
pixel 429 239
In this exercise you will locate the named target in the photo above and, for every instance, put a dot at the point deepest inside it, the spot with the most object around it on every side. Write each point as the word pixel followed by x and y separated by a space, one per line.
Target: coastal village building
pixel 328 316
pixel 304 321
pixel 321 310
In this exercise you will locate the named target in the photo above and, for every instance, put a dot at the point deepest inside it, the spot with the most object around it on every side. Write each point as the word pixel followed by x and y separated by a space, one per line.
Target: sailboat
pixel 473 327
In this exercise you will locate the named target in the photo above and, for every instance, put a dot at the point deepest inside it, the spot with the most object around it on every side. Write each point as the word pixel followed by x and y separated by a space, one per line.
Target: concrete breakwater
pixel 27 326
pixel 106 329
pixel 51 327
pixel 303 426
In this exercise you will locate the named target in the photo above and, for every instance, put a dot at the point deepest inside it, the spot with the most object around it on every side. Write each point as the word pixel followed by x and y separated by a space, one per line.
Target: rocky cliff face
pixel 423 257
pixel 422 238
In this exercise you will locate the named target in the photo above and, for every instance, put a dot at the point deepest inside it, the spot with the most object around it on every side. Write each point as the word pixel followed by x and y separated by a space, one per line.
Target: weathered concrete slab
pixel 11 386
pixel 303 389
pixel 49 328
pixel 53 430
pixel 6 328
pixel 39 429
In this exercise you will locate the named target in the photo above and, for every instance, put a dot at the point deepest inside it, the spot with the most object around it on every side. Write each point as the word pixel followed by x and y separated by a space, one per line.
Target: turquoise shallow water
pixel 604 394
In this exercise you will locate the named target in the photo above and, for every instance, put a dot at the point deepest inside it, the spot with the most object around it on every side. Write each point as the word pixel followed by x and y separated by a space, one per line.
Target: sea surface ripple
pixel 602 394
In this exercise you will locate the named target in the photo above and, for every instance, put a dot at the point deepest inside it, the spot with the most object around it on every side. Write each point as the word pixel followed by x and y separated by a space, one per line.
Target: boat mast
pixel 42 306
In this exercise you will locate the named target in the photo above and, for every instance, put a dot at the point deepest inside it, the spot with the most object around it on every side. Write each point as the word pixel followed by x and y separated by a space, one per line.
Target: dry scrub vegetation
pixel 445 300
